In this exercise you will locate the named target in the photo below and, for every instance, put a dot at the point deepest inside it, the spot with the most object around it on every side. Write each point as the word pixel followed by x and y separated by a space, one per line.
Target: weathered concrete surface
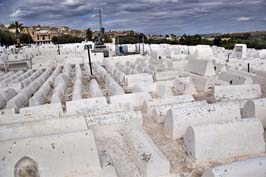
pixel 41 128
pixel 101 110
pixel 256 108
pixel 235 92
pixel 200 67
pixel 58 155
pixel 184 86
pixel 114 118
pixel 74 106
pixel 219 141
pixel 136 99
pixel 149 158
pixel 95 89
pixel 6 96
pixel 150 103
pixel 43 111
pixel 132 80
pixel 178 120
pixel 159 112
pixel 255 167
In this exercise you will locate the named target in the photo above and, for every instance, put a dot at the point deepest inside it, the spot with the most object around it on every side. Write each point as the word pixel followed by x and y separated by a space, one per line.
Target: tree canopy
pixel 64 39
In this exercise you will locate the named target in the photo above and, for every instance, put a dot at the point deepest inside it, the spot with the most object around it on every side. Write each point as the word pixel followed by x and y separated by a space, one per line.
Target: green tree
pixel 217 41
pixel 18 26
pixel 26 39
pixel 107 39
pixel 89 34
pixel 7 38
pixel 65 39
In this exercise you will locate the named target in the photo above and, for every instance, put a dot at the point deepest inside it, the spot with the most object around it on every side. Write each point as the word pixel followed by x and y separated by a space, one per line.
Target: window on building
pixel 43 38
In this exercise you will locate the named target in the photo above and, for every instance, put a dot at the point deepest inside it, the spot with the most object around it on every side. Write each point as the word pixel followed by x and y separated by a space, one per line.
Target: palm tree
pixel 18 26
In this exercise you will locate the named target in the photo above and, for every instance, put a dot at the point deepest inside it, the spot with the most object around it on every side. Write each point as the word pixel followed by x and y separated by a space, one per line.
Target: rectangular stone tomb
pixel 178 120
pixel 235 78
pixel 159 112
pixel 256 108
pixel 236 92
pixel 151 103
pixel 255 167
pixel 72 107
pixel 41 128
pixel 135 99
pixel 132 80
pixel 42 111
pixel 114 118
pixel 58 155
pixel 101 110
pixel 202 83
pixel 165 75
pixel 223 140
pixel 200 67
pixel 184 86
pixel 148 157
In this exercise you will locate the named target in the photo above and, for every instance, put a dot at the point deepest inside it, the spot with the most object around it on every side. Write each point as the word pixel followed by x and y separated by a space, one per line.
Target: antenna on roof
pixel 100 19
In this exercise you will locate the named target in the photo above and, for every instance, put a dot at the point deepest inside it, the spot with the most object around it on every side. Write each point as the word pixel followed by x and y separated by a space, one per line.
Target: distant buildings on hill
pixel 44 34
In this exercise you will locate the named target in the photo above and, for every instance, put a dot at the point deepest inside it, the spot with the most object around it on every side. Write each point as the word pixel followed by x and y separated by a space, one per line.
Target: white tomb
pixel 52 154
pixel 255 167
pixel 235 92
pixel 149 158
pixel 178 120
pixel 256 108
pixel 223 140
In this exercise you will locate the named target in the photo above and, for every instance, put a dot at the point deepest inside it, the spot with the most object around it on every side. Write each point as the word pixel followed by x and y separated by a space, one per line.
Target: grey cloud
pixel 149 16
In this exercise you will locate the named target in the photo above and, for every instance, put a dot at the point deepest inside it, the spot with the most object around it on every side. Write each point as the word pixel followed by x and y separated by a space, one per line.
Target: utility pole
pixel 142 45
pixel 58 49
pixel 228 57
pixel 89 56
pixel 100 19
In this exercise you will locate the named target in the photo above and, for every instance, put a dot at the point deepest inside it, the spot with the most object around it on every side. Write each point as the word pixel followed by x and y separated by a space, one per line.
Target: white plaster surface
pixel 149 158
pixel 256 108
pixel 46 110
pixel 40 128
pixel 159 112
pixel 114 118
pixel 58 155
pixel 132 80
pixel 136 99
pixel 200 67
pixel 74 106
pixel 178 120
pixel 255 167
pixel 234 92
pixel 150 103
pixel 219 141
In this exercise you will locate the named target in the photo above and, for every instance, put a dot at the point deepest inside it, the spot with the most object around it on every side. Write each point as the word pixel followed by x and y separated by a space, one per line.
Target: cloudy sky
pixel 148 16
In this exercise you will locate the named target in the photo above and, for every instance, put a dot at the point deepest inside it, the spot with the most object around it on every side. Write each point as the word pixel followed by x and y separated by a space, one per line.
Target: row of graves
pixel 197 115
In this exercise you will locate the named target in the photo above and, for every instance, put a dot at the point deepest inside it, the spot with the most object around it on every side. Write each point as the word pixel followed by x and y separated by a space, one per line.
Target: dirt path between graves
pixel 102 85
pixel 174 152
pixel 85 82
pixel 69 89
